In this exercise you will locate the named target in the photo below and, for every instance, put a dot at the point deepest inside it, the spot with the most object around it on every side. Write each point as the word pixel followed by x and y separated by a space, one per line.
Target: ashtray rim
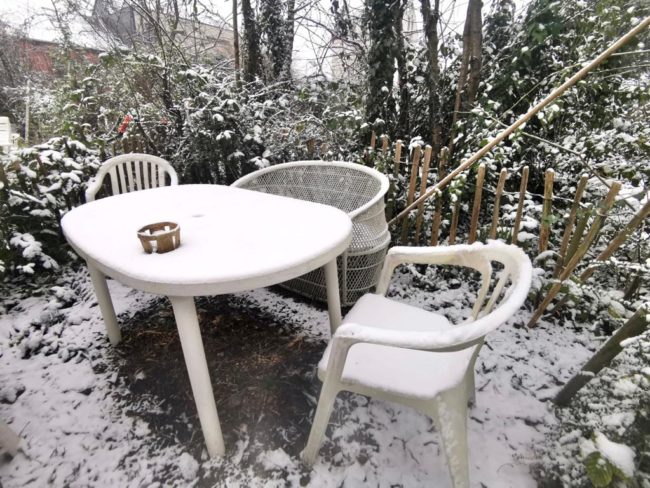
pixel 169 238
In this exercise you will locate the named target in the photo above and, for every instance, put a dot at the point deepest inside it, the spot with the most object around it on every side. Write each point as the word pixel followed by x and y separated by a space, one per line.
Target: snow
pixel 189 466
pixel 619 455
pixel 205 261
pixel 79 428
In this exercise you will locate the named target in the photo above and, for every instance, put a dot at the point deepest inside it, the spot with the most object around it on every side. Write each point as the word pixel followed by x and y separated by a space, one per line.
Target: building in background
pixel 138 26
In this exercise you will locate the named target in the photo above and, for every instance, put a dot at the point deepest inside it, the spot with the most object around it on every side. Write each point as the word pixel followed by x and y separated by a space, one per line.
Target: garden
pixel 562 387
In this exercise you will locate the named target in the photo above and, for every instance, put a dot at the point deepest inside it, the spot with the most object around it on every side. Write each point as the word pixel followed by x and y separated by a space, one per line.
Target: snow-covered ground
pixel 92 415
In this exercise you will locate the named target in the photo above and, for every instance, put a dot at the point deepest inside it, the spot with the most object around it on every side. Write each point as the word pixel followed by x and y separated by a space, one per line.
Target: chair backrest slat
pixel 122 178
pixel 145 174
pixel 115 187
pixel 154 176
pixel 128 167
pixel 137 167
pixel 132 172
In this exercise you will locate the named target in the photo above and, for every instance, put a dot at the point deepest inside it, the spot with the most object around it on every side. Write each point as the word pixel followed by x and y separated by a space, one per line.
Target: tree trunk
pixel 431 19
pixel 403 128
pixel 235 41
pixel 251 41
pixel 381 61
pixel 475 55
pixel 470 46
pixel 290 33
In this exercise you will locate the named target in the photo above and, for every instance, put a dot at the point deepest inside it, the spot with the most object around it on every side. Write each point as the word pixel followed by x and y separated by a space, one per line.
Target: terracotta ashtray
pixel 160 237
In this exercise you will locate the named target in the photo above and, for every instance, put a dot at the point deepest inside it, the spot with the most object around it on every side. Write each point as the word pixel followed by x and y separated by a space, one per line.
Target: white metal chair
pixel 132 172
pixel 401 353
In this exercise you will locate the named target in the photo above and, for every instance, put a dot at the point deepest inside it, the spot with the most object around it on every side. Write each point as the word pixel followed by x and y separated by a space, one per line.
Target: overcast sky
pixel 35 16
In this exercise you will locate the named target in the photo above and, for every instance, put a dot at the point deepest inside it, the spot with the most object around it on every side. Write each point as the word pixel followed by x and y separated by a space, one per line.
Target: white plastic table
pixel 231 240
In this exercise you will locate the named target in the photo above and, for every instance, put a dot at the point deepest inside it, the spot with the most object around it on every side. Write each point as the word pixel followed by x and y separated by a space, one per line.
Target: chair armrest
pixel 459 255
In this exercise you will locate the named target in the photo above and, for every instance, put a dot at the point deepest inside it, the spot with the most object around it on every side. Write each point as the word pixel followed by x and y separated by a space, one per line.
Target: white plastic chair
pixel 132 172
pixel 397 352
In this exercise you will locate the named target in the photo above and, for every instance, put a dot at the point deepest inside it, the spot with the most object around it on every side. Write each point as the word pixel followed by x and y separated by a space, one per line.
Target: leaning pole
pixel 524 118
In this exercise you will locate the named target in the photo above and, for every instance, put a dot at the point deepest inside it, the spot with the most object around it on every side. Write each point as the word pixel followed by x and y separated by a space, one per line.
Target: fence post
pixel 384 144
pixel 580 252
pixel 454 221
pixel 476 210
pixel 497 203
pixel 520 205
pixel 392 204
pixel 546 210
pixel 582 184
pixel 411 193
pixel 423 186
pixel 437 215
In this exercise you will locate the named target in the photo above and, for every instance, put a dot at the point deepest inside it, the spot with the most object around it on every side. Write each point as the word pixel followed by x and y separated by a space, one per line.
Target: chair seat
pixel 404 372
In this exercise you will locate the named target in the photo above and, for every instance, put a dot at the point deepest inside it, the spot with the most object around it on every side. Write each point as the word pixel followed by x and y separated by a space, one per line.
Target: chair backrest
pixel 504 301
pixel 132 172
pixel 350 187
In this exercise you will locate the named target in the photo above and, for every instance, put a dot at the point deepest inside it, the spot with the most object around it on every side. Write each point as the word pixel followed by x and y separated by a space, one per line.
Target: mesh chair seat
pixel 355 189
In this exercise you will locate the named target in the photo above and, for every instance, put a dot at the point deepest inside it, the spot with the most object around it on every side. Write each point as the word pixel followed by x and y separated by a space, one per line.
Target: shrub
pixel 37 186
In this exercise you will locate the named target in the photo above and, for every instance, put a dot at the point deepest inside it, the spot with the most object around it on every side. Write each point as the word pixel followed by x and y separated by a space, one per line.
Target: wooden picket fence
pixel 581 227
pixel 411 174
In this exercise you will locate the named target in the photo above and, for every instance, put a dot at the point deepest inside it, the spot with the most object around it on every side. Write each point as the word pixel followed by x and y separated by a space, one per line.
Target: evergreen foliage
pixel 380 102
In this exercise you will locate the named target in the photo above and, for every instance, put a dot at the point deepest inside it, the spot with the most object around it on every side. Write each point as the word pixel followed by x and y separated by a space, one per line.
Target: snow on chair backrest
pixel 517 270
pixel 132 172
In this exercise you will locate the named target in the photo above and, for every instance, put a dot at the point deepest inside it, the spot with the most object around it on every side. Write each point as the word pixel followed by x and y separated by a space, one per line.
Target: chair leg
pixel 450 413
pixel 321 419
pixel 471 388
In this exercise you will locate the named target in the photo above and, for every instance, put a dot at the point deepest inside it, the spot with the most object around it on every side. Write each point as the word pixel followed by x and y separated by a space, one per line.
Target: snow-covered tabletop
pixel 231 240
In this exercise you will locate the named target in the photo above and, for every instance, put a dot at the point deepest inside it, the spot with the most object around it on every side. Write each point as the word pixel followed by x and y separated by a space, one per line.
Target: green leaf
pixel 599 470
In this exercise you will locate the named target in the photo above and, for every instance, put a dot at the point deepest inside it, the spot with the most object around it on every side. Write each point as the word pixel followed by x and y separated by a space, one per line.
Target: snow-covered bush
pixel 37 186
pixel 603 437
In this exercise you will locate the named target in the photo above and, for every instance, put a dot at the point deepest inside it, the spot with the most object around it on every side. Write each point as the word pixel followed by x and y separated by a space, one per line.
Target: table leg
pixel 105 304
pixel 333 296
pixel 197 368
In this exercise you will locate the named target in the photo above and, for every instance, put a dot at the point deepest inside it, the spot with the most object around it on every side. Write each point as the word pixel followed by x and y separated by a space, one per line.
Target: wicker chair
pixel 350 187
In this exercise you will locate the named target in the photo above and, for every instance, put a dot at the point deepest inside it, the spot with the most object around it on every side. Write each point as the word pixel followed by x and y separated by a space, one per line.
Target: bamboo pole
pixel 619 239
pixel 437 215
pixel 476 210
pixel 520 205
pixel 580 252
pixel 423 186
pixel 311 147
pixel 454 222
pixel 635 326
pixel 576 239
pixel 411 193
pixel 497 203
pixel 527 116
pixel 611 249
pixel 373 140
pixel 582 184
pixel 545 229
